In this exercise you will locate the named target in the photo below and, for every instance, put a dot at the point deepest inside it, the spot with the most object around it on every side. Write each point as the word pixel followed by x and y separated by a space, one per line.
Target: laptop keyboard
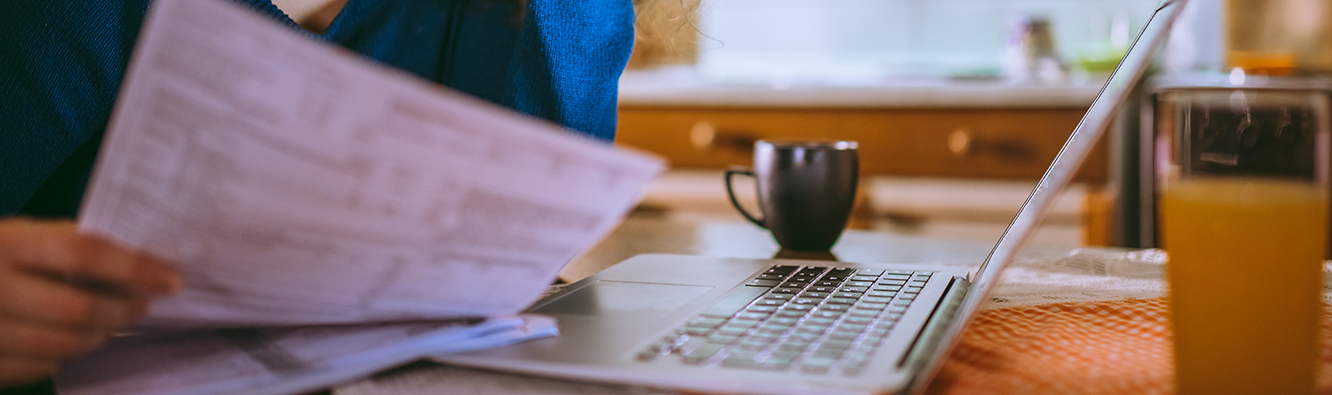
pixel 818 320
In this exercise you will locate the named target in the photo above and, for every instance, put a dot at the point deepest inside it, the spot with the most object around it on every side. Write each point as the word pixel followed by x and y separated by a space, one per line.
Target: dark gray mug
pixel 805 190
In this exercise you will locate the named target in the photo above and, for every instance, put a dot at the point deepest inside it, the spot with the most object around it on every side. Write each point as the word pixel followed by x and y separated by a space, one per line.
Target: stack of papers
pixel 295 184
pixel 278 360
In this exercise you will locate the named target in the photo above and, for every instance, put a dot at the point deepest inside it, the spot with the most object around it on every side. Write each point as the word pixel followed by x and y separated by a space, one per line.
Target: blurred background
pixel 958 105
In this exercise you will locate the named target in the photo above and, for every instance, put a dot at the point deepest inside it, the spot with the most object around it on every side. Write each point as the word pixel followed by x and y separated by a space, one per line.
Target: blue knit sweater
pixel 61 63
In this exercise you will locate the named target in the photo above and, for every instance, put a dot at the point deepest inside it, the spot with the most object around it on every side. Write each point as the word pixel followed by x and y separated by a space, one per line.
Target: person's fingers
pixel 20 371
pixel 27 340
pixel 24 296
pixel 57 247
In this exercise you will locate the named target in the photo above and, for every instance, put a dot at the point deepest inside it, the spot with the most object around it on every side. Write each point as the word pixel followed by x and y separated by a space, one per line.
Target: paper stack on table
pixel 286 360
pixel 295 184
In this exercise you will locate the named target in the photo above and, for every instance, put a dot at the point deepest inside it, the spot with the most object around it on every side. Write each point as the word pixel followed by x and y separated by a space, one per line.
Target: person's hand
pixel 63 293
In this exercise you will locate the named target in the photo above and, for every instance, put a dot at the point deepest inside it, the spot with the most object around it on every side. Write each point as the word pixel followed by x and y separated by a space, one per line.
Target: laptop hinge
pixel 937 324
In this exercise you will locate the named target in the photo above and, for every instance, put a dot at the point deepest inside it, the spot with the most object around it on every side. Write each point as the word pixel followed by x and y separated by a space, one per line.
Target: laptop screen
pixel 1060 173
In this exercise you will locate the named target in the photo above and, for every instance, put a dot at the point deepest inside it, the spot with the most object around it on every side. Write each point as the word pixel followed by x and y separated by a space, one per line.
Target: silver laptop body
pixel 655 320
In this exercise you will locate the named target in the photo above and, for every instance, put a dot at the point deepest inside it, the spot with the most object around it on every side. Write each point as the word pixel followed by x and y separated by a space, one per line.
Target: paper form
pixel 294 183
pixel 277 360
pixel 444 379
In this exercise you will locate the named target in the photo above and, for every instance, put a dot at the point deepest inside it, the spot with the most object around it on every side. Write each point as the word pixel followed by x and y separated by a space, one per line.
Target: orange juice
pixel 1245 275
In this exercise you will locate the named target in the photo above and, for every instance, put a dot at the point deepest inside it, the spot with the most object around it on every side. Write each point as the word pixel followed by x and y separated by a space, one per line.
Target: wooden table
pixel 658 232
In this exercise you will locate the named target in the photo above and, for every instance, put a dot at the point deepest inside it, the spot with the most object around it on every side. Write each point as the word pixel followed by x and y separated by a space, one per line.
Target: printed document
pixel 248 361
pixel 296 184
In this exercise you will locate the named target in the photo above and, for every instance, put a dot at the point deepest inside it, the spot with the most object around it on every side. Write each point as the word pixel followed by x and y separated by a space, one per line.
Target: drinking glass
pixel 1242 180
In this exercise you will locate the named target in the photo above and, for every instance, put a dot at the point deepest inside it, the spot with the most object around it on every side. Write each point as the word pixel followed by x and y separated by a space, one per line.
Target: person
pixel 61 63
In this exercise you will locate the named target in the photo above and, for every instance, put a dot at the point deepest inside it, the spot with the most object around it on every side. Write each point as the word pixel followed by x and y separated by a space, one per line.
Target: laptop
pixel 751 326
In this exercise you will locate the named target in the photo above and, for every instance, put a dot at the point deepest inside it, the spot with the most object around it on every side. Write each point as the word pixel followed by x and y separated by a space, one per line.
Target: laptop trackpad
pixel 624 297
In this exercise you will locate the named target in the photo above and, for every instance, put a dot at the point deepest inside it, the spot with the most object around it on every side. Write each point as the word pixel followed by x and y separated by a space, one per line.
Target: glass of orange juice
pixel 1242 182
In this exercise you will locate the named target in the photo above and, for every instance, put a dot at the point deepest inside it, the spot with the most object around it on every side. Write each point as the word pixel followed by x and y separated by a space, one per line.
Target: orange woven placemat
pixel 1113 347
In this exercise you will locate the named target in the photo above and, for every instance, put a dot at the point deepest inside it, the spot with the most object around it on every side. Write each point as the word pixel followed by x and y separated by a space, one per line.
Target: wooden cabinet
pixel 997 143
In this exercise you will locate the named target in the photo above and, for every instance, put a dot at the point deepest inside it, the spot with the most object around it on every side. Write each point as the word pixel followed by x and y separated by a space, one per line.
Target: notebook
pixel 721 325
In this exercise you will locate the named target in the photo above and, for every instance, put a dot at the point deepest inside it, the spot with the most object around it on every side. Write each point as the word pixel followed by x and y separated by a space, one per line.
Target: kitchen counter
pixel 685 87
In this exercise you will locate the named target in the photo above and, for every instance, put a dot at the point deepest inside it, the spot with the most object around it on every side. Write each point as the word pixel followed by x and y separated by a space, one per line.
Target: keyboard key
pixel 820 368
pixel 750 364
pixel 721 339
pixel 820 321
pixel 792 313
pixel 811 329
pixel 835 344
pixel 646 356
pixel 762 283
pixel 781 357
pixel 786 290
pixel 751 345
pixel 796 347
pixel 742 322
pixel 761 309
pixel 778 296
pixel 697 331
pixel 826 283
pixel 782 269
pixel 859 319
pixel 856 328
pixel 842 271
pixel 865 305
pixel 853 289
pixel 852 295
pixel 843 335
pixel 859 277
pixel 859 283
pixel 822 289
pixel 800 306
pixel 875 299
pixel 701 353
pixel 705 322
pixel 806 301
pixel 863 313
pixel 770 276
pixel 828 313
pixel 819 295
pixel 911 290
pixel 892 282
pixel 731 327
pixel 835 307
pixel 907 297
pixel 783 320
pixel 872 272
pixel 841 300
pixel 883 294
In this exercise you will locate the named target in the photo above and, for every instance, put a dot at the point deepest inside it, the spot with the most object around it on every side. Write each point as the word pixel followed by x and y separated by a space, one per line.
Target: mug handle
pixel 731 194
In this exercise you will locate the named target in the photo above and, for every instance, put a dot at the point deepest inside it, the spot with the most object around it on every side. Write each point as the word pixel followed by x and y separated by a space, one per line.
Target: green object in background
pixel 1100 58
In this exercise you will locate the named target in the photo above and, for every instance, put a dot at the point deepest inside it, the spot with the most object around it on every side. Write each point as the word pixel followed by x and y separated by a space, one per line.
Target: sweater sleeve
pixel 568 61
pixel 61 63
